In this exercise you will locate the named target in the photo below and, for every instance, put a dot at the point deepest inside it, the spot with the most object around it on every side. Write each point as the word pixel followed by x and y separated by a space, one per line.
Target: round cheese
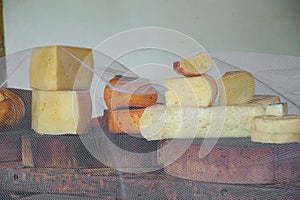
pixel 274 138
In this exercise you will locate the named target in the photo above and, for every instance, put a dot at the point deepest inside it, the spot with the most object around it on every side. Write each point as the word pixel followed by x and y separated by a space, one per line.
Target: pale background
pixel 262 26
pixel 242 32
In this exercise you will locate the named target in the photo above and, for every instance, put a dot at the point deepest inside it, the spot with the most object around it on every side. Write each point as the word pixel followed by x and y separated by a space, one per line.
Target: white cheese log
pixel 236 87
pixel 161 122
pixel 191 91
pixel 61 112
pixel 61 68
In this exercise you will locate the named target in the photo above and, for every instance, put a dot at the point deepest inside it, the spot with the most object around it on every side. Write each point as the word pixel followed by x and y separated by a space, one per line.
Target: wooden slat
pixel 104 182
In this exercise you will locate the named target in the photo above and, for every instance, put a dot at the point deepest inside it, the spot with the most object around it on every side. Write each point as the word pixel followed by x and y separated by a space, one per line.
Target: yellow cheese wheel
pixel 274 138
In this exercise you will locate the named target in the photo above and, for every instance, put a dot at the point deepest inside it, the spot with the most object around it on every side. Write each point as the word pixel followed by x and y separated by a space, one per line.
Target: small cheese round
pixel 274 138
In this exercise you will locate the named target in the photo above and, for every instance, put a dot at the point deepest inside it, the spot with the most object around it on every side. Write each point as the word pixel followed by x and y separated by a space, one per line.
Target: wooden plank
pixel 108 182
pixel 63 151
pixel 235 160
pixel 10 146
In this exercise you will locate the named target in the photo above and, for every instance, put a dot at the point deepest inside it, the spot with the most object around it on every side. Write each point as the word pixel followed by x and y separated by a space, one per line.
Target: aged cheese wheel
pixel 264 100
pixel 193 66
pixel 142 95
pixel 61 68
pixel 191 91
pixel 237 161
pixel 236 87
pixel 12 109
pixel 274 138
pixel 124 121
pixel 275 124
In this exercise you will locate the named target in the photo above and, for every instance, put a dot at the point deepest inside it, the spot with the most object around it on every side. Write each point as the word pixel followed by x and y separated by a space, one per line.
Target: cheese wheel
pixel 274 138
pixel 124 121
pixel 278 109
pixel 142 95
pixel 264 100
pixel 236 87
pixel 191 91
pixel 193 66
pixel 162 122
pixel 275 124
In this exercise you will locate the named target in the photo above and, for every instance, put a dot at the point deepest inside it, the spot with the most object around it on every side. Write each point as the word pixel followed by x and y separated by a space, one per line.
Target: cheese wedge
pixel 191 91
pixel 278 109
pixel 61 112
pixel 264 100
pixel 236 87
pixel 124 121
pixel 61 68
pixel 274 124
pixel 274 138
pixel 161 122
pixel 193 66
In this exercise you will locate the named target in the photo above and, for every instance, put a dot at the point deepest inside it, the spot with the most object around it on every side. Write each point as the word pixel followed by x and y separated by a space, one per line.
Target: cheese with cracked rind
pixel 61 112
pixel 277 109
pixel 161 122
pixel 61 68
pixel 264 100
pixel 191 91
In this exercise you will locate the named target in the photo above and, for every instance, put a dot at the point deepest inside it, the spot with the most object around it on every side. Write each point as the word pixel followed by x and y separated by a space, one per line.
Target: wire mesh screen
pixel 58 155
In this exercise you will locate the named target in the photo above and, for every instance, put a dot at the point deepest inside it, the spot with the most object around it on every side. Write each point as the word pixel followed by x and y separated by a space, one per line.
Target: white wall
pixel 268 26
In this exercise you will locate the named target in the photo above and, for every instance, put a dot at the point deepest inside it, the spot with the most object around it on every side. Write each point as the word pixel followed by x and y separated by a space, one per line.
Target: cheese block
pixel 275 124
pixel 264 100
pixel 61 68
pixel 193 66
pixel 61 112
pixel 161 122
pixel 236 87
pixel 278 109
pixel 191 91
pixel 274 138
pixel 127 92
pixel 124 121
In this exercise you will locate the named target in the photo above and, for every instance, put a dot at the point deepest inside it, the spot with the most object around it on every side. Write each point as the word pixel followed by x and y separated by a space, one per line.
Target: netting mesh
pixel 127 166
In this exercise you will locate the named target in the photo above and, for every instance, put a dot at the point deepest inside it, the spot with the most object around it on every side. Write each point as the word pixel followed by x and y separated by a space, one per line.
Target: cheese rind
pixel 275 124
pixel 236 87
pixel 61 68
pixel 274 138
pixel 161 122
pixel 191 91
pixel 278 109
pixel 124 121
pixel 264 100
pixel 61 112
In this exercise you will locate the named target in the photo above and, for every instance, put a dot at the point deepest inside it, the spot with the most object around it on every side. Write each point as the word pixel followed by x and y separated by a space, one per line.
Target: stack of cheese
pixel 189 113
pixel 60 78
pixel 126 99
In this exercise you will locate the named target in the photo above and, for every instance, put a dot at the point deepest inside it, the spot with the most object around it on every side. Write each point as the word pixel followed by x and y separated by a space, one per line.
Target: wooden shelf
pixel 109 183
